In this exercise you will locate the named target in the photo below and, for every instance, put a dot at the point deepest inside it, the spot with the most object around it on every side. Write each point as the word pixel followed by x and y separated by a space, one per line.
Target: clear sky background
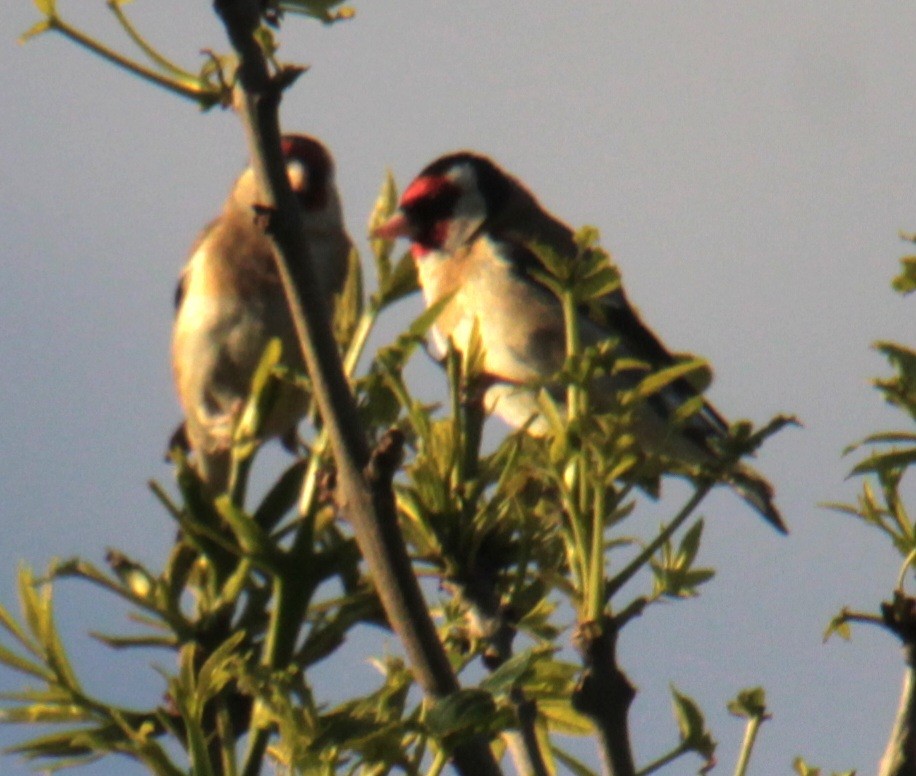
pixel 749 167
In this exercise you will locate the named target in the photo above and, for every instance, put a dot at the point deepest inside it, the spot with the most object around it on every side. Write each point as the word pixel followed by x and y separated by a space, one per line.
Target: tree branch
pixel 604 695
pixel 900 755
pixel 366 500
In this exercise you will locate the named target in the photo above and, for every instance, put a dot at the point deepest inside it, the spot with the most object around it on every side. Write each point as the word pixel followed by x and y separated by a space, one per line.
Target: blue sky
pixel 749 168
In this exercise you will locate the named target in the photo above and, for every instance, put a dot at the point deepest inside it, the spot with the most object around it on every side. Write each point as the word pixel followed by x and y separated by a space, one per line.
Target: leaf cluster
pixel 258 594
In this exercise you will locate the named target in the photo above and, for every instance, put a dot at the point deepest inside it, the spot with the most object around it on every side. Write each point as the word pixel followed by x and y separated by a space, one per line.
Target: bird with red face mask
pixel 230 304
pixel 474 233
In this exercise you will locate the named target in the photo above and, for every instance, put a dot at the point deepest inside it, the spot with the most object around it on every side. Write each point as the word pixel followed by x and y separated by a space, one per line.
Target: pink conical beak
pixel 396 226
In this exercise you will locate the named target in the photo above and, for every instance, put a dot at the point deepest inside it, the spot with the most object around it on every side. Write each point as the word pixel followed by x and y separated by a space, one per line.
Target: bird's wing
pixel 616 315
pixel 181 287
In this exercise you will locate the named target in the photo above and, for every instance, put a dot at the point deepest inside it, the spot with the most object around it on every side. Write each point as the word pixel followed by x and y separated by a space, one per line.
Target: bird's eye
pixel 297 174
pixel 430 197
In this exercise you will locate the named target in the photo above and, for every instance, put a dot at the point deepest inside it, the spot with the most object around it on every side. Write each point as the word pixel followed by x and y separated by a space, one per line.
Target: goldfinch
pixel 475 233
pixel 230 304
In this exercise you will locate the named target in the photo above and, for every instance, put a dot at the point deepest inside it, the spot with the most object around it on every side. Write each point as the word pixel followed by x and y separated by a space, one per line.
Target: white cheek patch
pixel 470 204
pixel 470 210
pixel 297 174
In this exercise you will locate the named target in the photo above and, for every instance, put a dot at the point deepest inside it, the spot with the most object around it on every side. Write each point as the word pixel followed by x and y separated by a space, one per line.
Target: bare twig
pixel 364 491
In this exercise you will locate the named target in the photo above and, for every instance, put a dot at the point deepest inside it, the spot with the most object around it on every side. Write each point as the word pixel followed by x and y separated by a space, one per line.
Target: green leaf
pixel 883 462
pixel 128 642
pixel 8 622
pixel 220 668
pixel 385 204
pixel 749 703
pixel 21 664
pixel 282 496
pixel 38 713
pixel 38 600
pixel 886 437
pixel 839 625
pixel 462 714
pixel 401 281
pixel 39 28
pixel 603 281
pixel 348 306
pixel 551 413
pixel 803 769
pixel 319 9
pixel 424 322
pixel 46 7
pixel 510 674
pixel 562 718
pixel 691 725
pixel 905 282
pixel 250 535
pixel 264 392
pixel 690 545
pixel 661 379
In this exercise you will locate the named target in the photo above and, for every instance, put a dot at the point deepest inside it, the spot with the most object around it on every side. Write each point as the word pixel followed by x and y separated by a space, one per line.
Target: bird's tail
pixel 757 492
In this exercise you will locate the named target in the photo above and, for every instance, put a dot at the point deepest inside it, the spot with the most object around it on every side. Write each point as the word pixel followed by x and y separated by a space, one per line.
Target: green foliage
pixel 749 704
pixel 259 593
pixel 905 282
pixel 212 83
pixel 327 11
pixel 889 455
pixel 803 769
pixel 692 726
pixel 256 596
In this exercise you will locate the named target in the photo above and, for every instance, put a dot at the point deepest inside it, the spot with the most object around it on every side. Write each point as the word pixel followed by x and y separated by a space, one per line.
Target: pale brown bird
pixel 230 304
pixel 473 229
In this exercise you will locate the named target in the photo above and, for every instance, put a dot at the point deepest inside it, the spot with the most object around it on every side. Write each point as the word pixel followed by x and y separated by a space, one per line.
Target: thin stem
pixel 524 746
pixel 291 599
pixel 360 336
pixel 747 745
pixel 573 348
pixel 906 565
pixel 310 481
pixel 662 761
pixel 439 762
pixel 630 570
pixel 596 557
pixel 578 559
pixel 115 7
pixel 195 92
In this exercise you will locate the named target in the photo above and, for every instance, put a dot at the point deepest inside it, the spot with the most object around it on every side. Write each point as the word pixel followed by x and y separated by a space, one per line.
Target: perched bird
pixel 230 304
pixel 474 232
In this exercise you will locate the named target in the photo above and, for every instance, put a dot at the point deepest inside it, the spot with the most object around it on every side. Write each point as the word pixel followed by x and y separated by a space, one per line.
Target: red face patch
pixel 425 188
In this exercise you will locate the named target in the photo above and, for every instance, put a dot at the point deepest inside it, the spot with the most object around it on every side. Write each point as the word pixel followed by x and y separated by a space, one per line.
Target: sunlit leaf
pixel 749 703
pixel 46 7
pixel 692 725
pixel 39 28
pixel 401 281
pixel 905 282
pixel 462 714
pixel 563 718
pixel 881 462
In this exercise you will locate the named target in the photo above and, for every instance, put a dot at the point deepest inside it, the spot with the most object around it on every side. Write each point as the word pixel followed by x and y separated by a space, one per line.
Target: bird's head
pixel 310 169
pixel 448 203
